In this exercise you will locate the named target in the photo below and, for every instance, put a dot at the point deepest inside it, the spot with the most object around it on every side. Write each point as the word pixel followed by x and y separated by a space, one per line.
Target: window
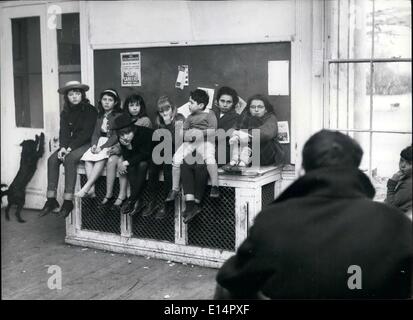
pixel 369 84
pixel 68 48
pixel 27 72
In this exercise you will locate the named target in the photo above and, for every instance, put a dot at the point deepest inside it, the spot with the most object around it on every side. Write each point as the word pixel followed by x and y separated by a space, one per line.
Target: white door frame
pixel 11 136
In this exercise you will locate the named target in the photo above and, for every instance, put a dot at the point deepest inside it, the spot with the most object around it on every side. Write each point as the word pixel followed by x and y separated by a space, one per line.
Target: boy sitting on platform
pixel 198 123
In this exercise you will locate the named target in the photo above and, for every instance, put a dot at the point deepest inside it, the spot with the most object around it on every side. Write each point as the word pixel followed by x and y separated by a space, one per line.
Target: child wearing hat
pixel 399 187
pixel 135 108
pixel 136 150
pixel 77 121
pixel 102 139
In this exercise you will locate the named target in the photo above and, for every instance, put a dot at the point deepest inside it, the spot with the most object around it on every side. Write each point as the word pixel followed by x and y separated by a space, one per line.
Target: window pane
pixel 27 72
pixel 392 99
pixel 392 28
pixel 68 47
pixel 350 29
pixel 349 96
pixel 363 138
pixel 385 158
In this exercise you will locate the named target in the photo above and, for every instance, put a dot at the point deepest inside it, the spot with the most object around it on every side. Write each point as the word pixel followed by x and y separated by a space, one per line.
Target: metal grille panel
pixel 267 194
pixel 214 226
pixel 150 227
pixel 94 218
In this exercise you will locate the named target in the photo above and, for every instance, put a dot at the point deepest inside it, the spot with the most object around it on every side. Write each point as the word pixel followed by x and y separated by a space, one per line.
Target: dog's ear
pixel 40 145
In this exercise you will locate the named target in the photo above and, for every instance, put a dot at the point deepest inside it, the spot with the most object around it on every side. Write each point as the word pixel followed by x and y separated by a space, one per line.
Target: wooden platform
pixel 248 194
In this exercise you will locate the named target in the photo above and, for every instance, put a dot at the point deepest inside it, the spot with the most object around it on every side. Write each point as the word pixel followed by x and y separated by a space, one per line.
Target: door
pixel 33 43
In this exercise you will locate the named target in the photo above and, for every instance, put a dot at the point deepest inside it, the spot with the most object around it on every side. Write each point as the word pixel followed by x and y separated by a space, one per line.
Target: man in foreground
pixel 324 237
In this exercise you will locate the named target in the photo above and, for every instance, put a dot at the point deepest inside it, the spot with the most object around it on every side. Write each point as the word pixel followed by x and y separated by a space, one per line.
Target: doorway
pixel 40 50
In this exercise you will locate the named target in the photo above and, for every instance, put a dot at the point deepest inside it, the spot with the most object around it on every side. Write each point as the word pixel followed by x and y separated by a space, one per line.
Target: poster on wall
pixel 283 132
pixel 130 69
pixel 183 77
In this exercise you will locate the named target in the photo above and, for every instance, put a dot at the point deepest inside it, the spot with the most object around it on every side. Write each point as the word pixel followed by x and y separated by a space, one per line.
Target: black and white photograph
pixel 206 154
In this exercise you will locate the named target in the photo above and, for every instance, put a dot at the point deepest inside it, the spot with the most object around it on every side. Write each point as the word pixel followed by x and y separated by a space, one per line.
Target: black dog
pixel 16 194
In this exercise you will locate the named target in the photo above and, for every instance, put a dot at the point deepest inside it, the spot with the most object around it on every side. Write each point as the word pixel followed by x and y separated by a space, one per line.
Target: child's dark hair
pixel 67 103
pixel 267 104
pixel 230 92
pixel 139 100
pixel 112 93
pixel 406 154
pixel 200 96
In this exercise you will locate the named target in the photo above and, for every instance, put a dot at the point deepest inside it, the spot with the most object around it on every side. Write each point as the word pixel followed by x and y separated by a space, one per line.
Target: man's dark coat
pixel 318 238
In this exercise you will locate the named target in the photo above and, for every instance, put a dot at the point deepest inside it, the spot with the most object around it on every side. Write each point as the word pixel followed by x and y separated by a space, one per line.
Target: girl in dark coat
pixel 399 186
pixel 258 115
pixel 77 122
pixel 227 116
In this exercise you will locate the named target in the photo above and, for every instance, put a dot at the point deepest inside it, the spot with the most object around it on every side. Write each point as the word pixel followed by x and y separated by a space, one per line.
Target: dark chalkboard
pixel 241 66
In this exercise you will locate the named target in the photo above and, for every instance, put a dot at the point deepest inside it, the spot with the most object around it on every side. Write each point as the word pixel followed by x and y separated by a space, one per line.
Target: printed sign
pixel 130 69
pixel 182 79
pixel 283 132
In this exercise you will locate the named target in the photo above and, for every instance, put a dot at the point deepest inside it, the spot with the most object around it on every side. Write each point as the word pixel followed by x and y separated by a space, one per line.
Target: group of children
pixel 123 141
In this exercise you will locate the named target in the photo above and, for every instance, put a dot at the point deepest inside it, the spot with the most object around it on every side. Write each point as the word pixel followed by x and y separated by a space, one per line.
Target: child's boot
pixel 67 208
pixel 214 192
pixel 49 206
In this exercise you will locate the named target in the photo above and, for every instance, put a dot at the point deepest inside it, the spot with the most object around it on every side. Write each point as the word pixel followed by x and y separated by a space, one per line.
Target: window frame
pixel 371 61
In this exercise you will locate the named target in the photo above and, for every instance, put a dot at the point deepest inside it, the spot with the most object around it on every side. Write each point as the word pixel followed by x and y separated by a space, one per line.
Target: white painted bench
pixel 227 219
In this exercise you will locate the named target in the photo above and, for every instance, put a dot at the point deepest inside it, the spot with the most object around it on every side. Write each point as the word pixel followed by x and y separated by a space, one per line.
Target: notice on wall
pixel 278 79
pixel 130 69
pixel 182 79
pixel 283 132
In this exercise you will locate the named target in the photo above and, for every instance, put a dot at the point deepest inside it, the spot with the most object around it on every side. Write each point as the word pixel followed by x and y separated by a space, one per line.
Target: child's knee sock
pixel 176 176
pixel 213 173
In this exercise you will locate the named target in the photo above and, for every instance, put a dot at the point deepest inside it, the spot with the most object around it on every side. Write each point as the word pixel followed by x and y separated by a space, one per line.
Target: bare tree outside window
pixel 369 84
